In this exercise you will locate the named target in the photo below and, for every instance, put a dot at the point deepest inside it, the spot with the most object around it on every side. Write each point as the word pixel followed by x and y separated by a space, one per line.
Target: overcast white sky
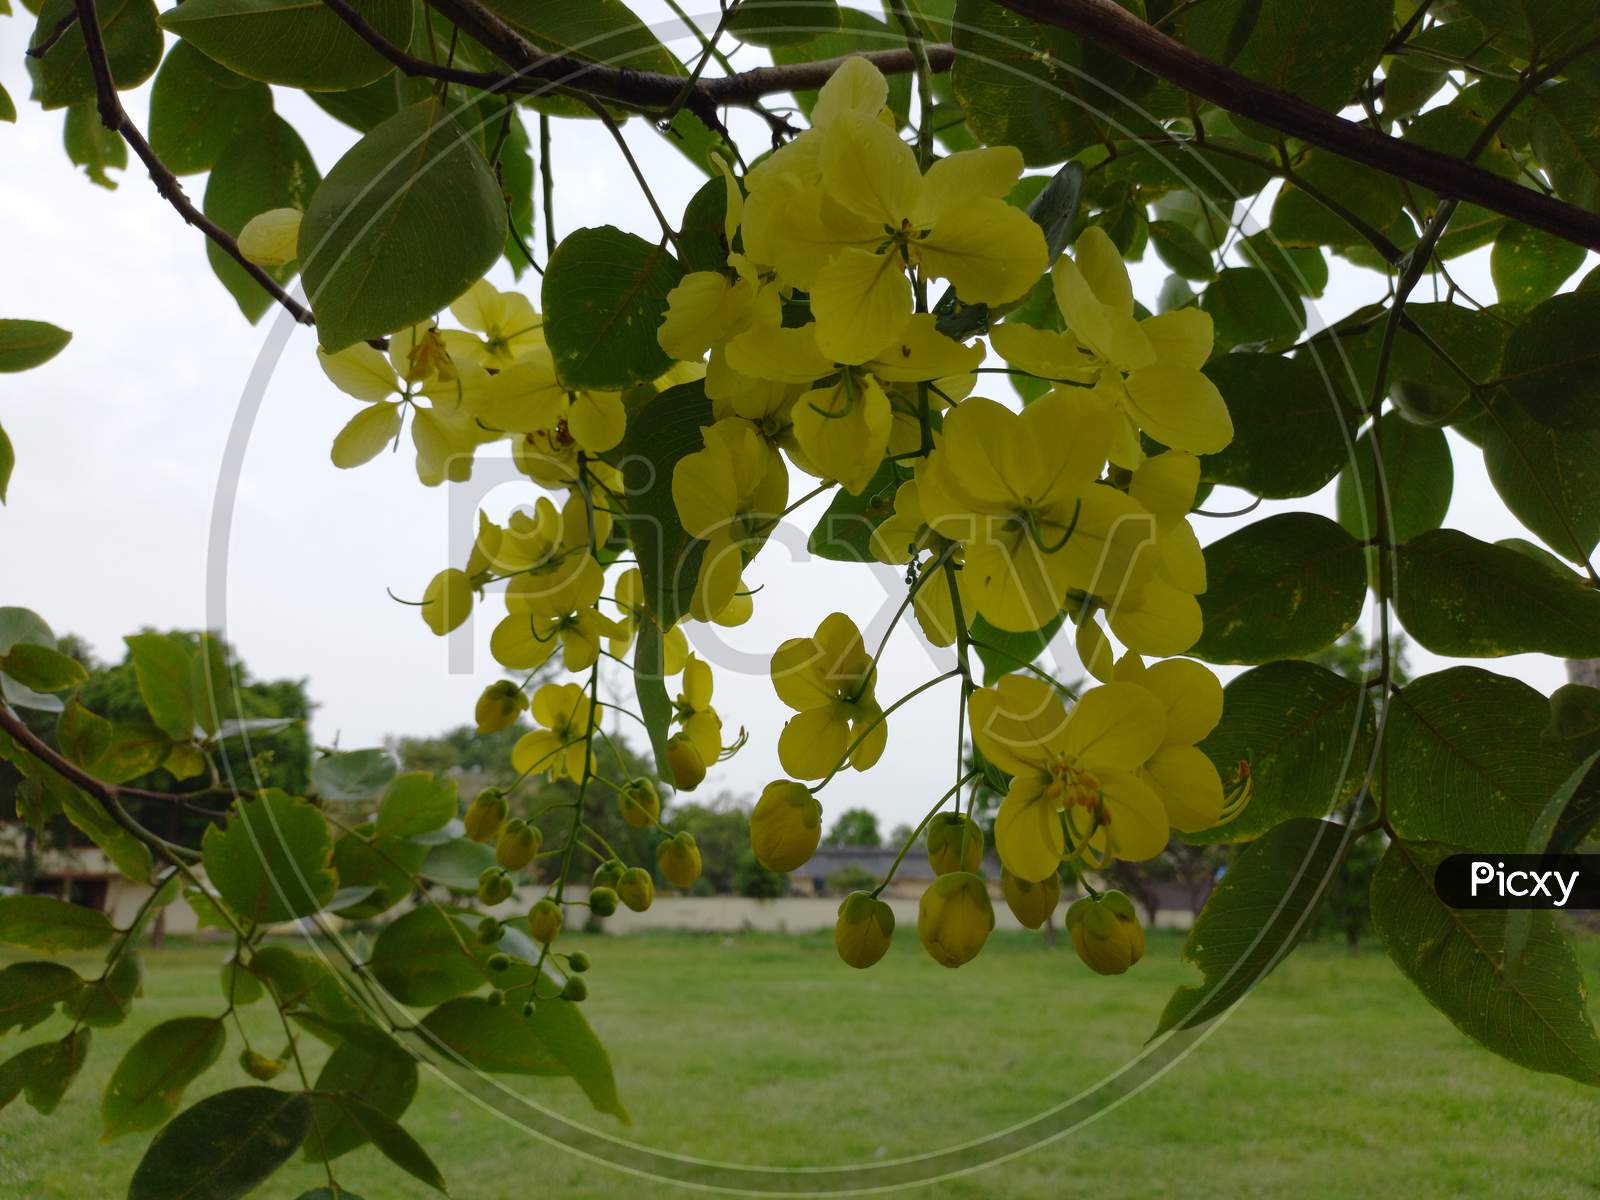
pixel 121 445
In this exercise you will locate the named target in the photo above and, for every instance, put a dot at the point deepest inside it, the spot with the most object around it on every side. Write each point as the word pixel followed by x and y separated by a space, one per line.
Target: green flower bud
pixel 496 998
pixel 640 803
pixel 575 990
pixel 1030 903
pixel 636 889
pixel 955 843
pixel 955 917
pixel 864 929
pixel 499 962
pixel 1106 932
pixel 679 860
pixel 259 1066
pixel 602 902
pixel 485 815
pixel 688 768
pixel 544 921
pixel 488 931
pixel 499 707
pixel 494 886
pixel 517 844
pixel 578 961
pixel 608 873
pixel 785 825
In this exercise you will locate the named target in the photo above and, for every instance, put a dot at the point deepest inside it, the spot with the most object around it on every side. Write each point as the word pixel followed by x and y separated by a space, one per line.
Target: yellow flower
pixel 640 802
pixel 558 750
pixel 863 930
pixel 544 921
pixel 785 825
pixel 270 239
pixel 1106 932
pixel 696 717
pixel 447 601
pixel 1150 369
pixel 507 321
pixel 687 764
pixel 1018 491
pixel 1076 771
pixel 679 860
pixel 518 844
pixel 728 495
pixel 955 843
pixel 485 815
pixel 905 536
pixel 636 889
pixel 705 309
pixel 827 679
pixel 1159 614
pixel 499 707
pixel 955 917
pixel 1179 772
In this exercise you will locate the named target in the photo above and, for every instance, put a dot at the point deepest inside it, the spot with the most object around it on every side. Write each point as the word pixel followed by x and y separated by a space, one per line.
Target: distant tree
pixel 721 828
pixel 1352 657
pixel 855 827
pixel 752 879
pixel 850 878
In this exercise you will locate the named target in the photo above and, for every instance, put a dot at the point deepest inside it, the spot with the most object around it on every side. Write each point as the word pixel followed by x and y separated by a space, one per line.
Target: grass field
pixel 1333 1080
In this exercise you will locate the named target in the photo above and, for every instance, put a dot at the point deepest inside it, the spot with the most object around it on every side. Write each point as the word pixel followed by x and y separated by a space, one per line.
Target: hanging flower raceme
pixel 828 680
pixel 698 720
pixel 1149 369
pixel 1075 784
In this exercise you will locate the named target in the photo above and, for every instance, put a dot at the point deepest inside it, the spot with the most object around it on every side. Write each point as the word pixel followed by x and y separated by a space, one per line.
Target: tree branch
pixel 116 119
pixel 1114 29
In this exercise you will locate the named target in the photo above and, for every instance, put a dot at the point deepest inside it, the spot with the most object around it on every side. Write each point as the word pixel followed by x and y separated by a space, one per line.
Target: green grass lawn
pixel 1332 1079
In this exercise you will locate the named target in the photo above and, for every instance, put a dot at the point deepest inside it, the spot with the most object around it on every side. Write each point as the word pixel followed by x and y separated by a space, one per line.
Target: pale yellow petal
pixel 359 371
pixel 1180 408
pixel 1015 722
pixel 813 742
pixel 1116 726
pixel 862 301
pixel 1181 338
pixel 1027 832
pixel 366 434
pixel 869 170
pixel 1188 785
pixel 990 252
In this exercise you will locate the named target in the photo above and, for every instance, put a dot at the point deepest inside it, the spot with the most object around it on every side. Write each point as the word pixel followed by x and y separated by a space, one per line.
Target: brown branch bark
pixel 116 119
pixel 1114 29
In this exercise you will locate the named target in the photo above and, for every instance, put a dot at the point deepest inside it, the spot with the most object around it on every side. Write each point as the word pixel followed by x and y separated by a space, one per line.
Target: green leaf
pixel 1566 137
pixel 1455 957
pixel 1034 86
pixel 1302 269
pixel 365 108
pixel 298 43
pixel 1254 917
pixel 1529 265
pixel 198 106
pixel 1289 426
pixel 386 1081
pixel 495 1038
pixel 352 774
pixel 265 167
pixel 313 994
pixel 1181 250
pixel 270 863
pixel 1298 735
pixel 416 803
pixel 161 663
pixel 30 991
pixel 18 626
pixel 89 817
pixel 1003 652
pixel 1574 720
pixel 1417 473
pixel 42 669
pixel 28 344
pixel 1467 760
pixel 211 688
pixel 458 863
pixel 132 48
pixel 8 462
pixel 405 222
pixel 783 22
pixel 385 864
pixel 605 293
pixel 422 958
pixel 224 1146
pixel 1301 218
pixel 1461 597
pixel 147 1087
pixel 8 107
pixel 844 531
pixel 107 1000
pixel 44 1072
pixel 45 923
pixel 92 146
pixel 1252 309
pixel 131 750
pixel 1548 478
pixel 353 1112
pixel 1284 586
pixel 1552 362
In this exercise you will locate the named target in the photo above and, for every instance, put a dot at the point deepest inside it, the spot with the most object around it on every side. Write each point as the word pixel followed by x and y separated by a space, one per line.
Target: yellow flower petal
pixel 983 174
pixel 446 601
pixel 920 352
pixel 536 751
pixel 1015 722
pixel 869 170
pixel 1115 726
pixel 1181 338
pixel 515 646
pixel 798 675
pixel 857 88
pixel 990 252
pixel 1166 484
pixel 1156 618
pixel 1027 832
pixel 705 731
pixel 813 742
pixel 1043 352
pixel 704 490
pixel 1191 695
pixel 844 437
pixel 1138 829
pixel 1100 262
pixel 1188 785
pixel 366 434
pixel 597 420
pixel 862 302
pixel 697 684
pixel 1179 407
pixel 705 308
pixel 359 371
pixel 873 732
